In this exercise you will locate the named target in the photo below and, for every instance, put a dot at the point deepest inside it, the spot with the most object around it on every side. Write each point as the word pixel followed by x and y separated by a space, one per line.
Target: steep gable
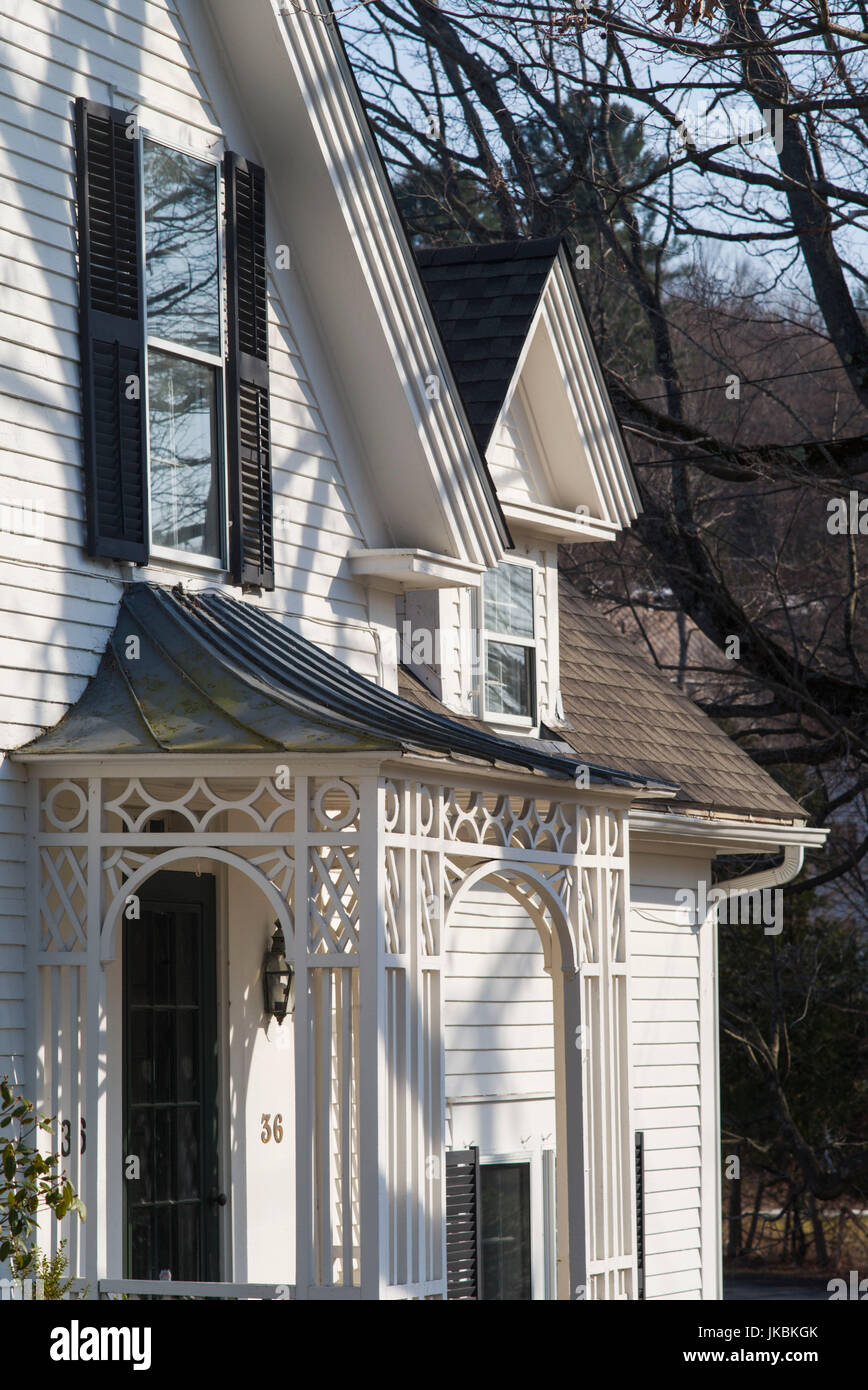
pixel 425 481
pixel 522 355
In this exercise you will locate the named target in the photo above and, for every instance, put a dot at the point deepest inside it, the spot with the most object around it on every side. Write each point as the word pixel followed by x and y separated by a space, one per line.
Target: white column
pixel 94 1103
pixel 373 1080
pixel 304 1120
pixel 570 1128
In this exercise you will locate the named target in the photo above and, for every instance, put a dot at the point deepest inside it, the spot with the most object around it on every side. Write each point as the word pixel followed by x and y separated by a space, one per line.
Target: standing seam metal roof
pixel 210 673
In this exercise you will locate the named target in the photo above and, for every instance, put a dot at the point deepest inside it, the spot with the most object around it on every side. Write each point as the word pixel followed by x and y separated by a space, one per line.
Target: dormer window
pixel 508 646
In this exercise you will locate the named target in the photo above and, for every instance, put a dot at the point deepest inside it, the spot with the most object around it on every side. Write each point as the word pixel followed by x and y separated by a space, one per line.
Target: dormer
pixel 521 354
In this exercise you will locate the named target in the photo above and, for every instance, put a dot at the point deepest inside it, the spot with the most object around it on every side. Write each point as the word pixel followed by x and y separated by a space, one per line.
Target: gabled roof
pixel 619 708
pixel 211 674
pixel 484 300
pixel 521 352
pixel 353 275
pixel 615 699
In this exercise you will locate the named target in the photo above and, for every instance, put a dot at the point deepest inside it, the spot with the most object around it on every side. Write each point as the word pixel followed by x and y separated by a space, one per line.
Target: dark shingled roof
pixel 619 708
pixel 484 299
pixel 211 674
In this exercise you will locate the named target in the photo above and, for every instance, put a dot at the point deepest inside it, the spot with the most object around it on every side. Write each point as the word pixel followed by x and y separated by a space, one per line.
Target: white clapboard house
pixel 284 658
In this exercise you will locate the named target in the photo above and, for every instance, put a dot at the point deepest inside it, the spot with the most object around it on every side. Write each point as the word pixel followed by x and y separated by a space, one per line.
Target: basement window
pixel 504 1196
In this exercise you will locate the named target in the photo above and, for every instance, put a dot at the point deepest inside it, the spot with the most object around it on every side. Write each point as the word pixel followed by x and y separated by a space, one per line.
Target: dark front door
pixel 170 1081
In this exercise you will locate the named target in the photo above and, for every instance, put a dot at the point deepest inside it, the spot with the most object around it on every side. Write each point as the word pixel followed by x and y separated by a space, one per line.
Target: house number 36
pixel 66 1137
pixel 272 1128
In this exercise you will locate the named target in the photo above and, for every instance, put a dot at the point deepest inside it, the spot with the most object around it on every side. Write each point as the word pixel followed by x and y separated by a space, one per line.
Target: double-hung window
pixel 508 645
pixel 184 334
pixel 174 348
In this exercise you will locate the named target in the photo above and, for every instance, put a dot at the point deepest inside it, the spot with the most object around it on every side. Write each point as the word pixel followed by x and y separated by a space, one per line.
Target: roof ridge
pixel 519 248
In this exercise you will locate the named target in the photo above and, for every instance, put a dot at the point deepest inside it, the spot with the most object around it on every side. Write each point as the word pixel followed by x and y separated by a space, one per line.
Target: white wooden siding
pixel 673 1081
pixel 58 606
pixel 498 1016
pixel 12 923
pixel 515 458
pixel 51 644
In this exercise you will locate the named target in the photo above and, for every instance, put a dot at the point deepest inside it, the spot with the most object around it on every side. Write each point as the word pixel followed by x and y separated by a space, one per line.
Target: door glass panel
pixel 170 1045
pixel 182 416
pixel 505 1209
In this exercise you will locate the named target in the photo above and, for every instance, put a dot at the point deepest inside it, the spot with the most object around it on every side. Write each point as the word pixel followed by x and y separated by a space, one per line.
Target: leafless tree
pixel 715 163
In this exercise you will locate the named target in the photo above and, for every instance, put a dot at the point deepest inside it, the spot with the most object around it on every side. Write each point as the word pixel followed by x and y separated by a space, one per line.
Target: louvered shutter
pixel 110 321
pixel 639 1142
pixel 247 409
pixel 463 1264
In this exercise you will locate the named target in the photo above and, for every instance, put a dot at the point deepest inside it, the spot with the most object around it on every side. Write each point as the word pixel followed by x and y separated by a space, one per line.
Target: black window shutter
pixel 248 424
pixel 640 1212
pixel 111 332
pixel 463 1262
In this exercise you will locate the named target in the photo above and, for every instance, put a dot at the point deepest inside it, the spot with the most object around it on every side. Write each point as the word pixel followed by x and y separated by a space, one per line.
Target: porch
pixel 363 857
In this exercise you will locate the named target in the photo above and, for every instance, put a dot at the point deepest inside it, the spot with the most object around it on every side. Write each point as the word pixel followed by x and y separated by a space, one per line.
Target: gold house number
pixel 272 1128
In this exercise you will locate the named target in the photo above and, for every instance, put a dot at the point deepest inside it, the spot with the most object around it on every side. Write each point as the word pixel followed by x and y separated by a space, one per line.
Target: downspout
pixel 784 872
pixel 794 856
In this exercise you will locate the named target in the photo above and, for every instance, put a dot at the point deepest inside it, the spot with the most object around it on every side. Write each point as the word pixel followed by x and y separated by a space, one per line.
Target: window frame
pixel 486 635
pixel 540 1158
pixel 169 555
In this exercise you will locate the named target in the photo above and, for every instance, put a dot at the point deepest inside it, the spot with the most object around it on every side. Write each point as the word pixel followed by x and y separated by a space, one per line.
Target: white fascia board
pixel 588 393
pixel 348 246
pixel 719 834
pixel 413 569
pixel 557 524
pixel 560 316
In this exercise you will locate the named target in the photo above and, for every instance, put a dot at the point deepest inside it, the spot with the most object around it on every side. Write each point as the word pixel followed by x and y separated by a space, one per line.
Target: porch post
pixel 569 1127
pixel 304 1117
pixel 95 1101
pixel 373 1080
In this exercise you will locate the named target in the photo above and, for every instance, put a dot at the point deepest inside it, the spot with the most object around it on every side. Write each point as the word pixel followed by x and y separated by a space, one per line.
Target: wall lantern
pixel 278 978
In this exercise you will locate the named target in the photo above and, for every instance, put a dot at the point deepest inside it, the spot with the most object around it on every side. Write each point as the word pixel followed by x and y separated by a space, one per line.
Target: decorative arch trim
pixel 511 880
pixel 174 856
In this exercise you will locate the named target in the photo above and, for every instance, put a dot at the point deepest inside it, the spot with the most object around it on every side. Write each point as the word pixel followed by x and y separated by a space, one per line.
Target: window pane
pixel 508 679
pixel 508 600
pixel 505 1202
pixel 182 413
pixel 181 279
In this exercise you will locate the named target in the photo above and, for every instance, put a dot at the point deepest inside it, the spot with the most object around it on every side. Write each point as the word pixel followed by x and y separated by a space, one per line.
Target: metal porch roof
pixel 212 674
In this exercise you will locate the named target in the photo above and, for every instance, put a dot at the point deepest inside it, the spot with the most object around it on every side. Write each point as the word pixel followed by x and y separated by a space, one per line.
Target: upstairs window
pixel 184 334
pixel 174 348
pixel 509 643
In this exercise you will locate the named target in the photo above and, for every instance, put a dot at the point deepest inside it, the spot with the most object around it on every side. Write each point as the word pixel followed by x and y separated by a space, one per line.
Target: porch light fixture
pixel 278 978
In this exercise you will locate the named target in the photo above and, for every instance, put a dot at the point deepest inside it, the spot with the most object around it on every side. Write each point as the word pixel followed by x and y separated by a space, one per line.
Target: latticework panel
pixel 63 899
pixel 333 906
pixel 200 804
pixel 531 824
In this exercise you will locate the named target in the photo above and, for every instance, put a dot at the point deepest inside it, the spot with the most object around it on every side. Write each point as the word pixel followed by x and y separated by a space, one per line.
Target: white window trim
pixel 516 721
pixel 542 1230
pixel 186 559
